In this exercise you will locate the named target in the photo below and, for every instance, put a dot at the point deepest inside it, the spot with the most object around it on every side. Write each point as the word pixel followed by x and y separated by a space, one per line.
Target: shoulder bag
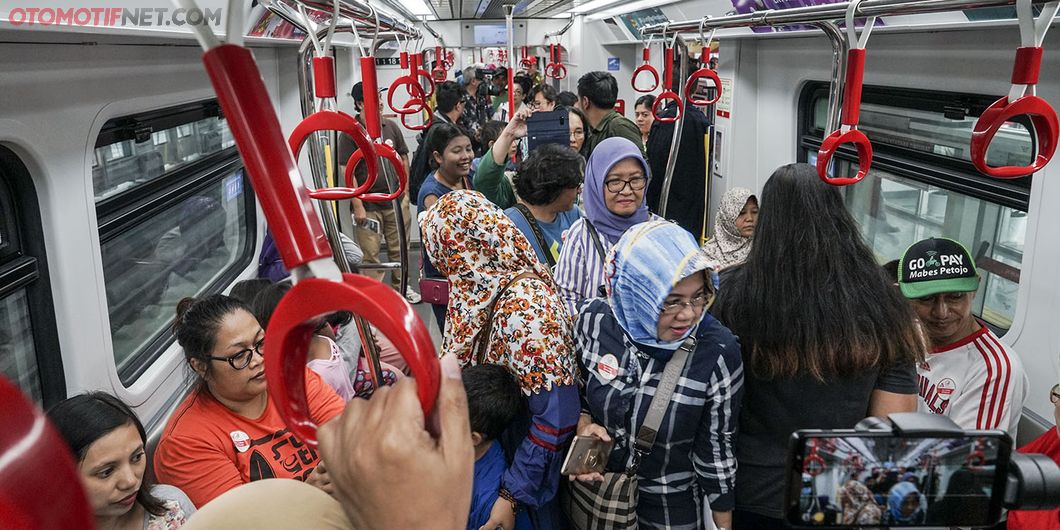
pixel 537 233
pixel 481 341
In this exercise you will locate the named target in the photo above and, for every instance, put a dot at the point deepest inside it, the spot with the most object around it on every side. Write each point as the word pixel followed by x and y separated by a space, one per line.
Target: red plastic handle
pixel 324 77
pixel 527 62
pixel 654 77
pixel 413 87
pixel 828 148
pixel 330 120
pixel 291 328
pixel 370 85
pixel 646 55
pixel 404 60
pixel 559 71
pixel 852 90
pixel 813 465
pixel 421 106
pixel 690 87
pixel 267 157
pixel 438 74
pixel 383 151
pixel 1046 128
pixel 668 69
pixel 667 95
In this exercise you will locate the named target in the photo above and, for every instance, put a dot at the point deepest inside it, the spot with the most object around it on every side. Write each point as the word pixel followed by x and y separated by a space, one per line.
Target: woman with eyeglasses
pixel 658 293
pixel 616 176
pixel 228 432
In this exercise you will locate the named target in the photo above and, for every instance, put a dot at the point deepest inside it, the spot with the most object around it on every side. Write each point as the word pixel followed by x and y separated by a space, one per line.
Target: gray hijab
pixel 728 247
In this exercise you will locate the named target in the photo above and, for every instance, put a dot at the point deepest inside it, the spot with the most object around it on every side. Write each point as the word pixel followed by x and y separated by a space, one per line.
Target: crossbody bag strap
pixel 601 291
pixel 657 409
pixel 529 216
pixel 483 337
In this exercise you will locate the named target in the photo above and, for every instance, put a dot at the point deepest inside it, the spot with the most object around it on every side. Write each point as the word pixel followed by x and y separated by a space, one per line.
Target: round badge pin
pixel 241 440
pixel 608 367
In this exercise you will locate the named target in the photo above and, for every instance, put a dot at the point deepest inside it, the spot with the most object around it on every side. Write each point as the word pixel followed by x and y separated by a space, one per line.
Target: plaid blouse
pixel 693 455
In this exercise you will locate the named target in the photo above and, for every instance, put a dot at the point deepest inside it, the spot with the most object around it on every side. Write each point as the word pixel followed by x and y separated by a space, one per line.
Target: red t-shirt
pixel 1047 444
pixel 206 449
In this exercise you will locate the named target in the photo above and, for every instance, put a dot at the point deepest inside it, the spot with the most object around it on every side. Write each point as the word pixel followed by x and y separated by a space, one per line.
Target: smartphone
pixel 373 225
pixel 551 127
pixel 839 479
pixel 587 454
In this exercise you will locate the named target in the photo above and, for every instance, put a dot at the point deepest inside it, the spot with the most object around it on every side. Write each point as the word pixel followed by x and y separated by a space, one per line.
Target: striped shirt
pixel 693 456
pixel 580 269
pixel 977 381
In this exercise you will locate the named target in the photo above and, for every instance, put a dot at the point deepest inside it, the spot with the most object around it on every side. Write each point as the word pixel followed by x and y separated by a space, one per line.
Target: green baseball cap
pixel 936 265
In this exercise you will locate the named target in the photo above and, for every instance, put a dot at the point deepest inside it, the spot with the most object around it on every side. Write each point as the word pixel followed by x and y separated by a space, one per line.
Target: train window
pixel 29 345
pixel 188 231
pixel 922 183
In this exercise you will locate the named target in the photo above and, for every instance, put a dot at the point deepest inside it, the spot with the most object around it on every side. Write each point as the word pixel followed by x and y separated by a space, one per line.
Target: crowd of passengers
pixel 567 301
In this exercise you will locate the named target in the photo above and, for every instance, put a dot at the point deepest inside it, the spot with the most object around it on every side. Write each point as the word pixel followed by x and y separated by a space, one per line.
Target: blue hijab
pixel 604 157
pixel 895 497
pixel 642 269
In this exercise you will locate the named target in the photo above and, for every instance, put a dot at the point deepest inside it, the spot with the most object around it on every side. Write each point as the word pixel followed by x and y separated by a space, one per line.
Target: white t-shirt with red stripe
pixel 977 381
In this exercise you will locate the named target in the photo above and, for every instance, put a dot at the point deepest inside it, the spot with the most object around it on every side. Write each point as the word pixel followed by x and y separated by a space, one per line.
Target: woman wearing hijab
pixel 616 177
pixel 503 296
pixel 905 504
pixel 858 505
pixel 658 294
pixel 734 228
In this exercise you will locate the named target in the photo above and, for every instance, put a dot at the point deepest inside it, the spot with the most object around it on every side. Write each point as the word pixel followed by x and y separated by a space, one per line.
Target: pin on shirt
pixel 241 440
pixel 608 367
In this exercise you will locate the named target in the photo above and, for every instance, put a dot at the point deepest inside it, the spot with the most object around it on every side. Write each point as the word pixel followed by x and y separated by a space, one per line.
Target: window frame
pixel 119 214
pixel 24 265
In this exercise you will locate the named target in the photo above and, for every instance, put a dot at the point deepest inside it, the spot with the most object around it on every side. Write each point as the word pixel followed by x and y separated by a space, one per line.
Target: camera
pixel 488 87
pixel 918 470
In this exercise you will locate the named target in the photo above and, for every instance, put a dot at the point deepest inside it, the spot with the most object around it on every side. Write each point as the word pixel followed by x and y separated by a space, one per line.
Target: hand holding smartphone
pixel 587 454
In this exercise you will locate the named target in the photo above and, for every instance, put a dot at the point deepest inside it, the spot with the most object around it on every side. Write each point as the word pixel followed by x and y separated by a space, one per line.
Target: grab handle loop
pixel 848 132
pixel 384 151
pixel 668 94
pixel 331 120
pixel 703 72
pixel 1022 100
pixel 646 66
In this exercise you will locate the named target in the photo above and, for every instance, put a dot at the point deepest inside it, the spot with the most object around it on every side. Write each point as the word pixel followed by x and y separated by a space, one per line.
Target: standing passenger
pixel 447 111
pixel 228 432
pixel 642 113
pixel 827 339
pixel 970 375
pixel 504 309
pixel 615 178
pixel 548 183
pixel 597 94
pixel 734 228
pixel 659 291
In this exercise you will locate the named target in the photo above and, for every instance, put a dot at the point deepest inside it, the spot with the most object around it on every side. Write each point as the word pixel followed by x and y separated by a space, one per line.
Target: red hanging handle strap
pixel 667 94
pixel 370 84
pixel 329 120
pixel 646 67
pixel 704 72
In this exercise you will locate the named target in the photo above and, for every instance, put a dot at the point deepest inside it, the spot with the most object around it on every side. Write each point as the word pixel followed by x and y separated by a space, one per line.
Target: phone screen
pixel 869 479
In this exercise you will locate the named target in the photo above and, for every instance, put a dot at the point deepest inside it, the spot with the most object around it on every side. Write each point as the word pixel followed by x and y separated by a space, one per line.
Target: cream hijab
pixel 728 247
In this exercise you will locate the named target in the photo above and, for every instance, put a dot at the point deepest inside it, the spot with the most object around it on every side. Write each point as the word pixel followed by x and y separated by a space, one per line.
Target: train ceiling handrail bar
pixel 288 10
pixel 562 30
pixel 827 13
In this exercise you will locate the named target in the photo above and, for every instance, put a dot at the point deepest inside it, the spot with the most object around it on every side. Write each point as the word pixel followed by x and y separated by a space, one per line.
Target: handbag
pixel 435 291
pixel 612 503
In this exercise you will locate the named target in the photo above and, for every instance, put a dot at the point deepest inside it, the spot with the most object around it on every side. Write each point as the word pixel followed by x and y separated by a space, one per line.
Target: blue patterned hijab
pixel 642 269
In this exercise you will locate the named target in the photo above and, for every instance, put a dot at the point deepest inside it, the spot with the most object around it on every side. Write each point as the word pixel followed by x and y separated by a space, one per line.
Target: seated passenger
pixel 969 375
pixel 548 184
pixel 1047 444
pixel 228 431
pixel 493 402
pixel 504 309
pixel 271 267
pixel 734 228
pixel 615 178
pixel 107 440
pixel 659 291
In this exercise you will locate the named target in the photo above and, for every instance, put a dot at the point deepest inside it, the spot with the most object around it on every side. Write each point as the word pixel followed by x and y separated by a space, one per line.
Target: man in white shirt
pixel 969 374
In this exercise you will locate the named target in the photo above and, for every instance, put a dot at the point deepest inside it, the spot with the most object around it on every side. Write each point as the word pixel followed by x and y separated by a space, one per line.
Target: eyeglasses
pixel 578 133
pixel 1054 393
pixel 241 359
pixel 696 303
pixel 617 185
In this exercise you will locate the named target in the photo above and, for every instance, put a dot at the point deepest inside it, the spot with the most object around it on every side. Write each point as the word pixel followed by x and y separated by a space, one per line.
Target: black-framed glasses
pixel 617 185
pixel 1054 393
pixel 697 303
pixel 241 359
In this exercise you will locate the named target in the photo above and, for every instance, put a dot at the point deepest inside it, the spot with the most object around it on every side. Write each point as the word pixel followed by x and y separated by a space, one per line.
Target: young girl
pixel 324 356
pixel 107 440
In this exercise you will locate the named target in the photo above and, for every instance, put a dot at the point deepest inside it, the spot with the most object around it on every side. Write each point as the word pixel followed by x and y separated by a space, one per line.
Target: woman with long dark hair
pixel 827 340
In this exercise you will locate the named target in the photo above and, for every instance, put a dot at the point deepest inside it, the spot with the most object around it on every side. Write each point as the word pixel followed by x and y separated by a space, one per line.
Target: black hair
pixel 264 304
pixel 810 271
pixel 246 290
pixel 526 84
pixel 547 172
pixel 647 100
pixel 84 419
pixel 439 136
pixel 198 320
pixel 601 89
pixel 545 90
pixel 490 132
pixel 891 270
pixel 493 398
pixel 448 95
pixel 567 98
pixel 585 125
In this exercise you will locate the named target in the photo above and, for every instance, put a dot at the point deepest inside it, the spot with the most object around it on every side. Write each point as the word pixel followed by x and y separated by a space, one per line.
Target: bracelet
pixel 507 495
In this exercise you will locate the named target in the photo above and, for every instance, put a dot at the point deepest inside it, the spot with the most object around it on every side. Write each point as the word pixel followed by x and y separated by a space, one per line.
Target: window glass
pixel 895 212
pixel 178 252
pixel 18 355
pixel 935 133
pixel 124 165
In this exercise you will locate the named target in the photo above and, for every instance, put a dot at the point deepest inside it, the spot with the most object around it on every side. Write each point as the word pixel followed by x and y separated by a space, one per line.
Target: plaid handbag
pixel 612 504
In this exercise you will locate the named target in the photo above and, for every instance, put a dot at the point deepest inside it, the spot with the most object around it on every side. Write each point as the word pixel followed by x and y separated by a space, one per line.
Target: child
pixel 493 401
